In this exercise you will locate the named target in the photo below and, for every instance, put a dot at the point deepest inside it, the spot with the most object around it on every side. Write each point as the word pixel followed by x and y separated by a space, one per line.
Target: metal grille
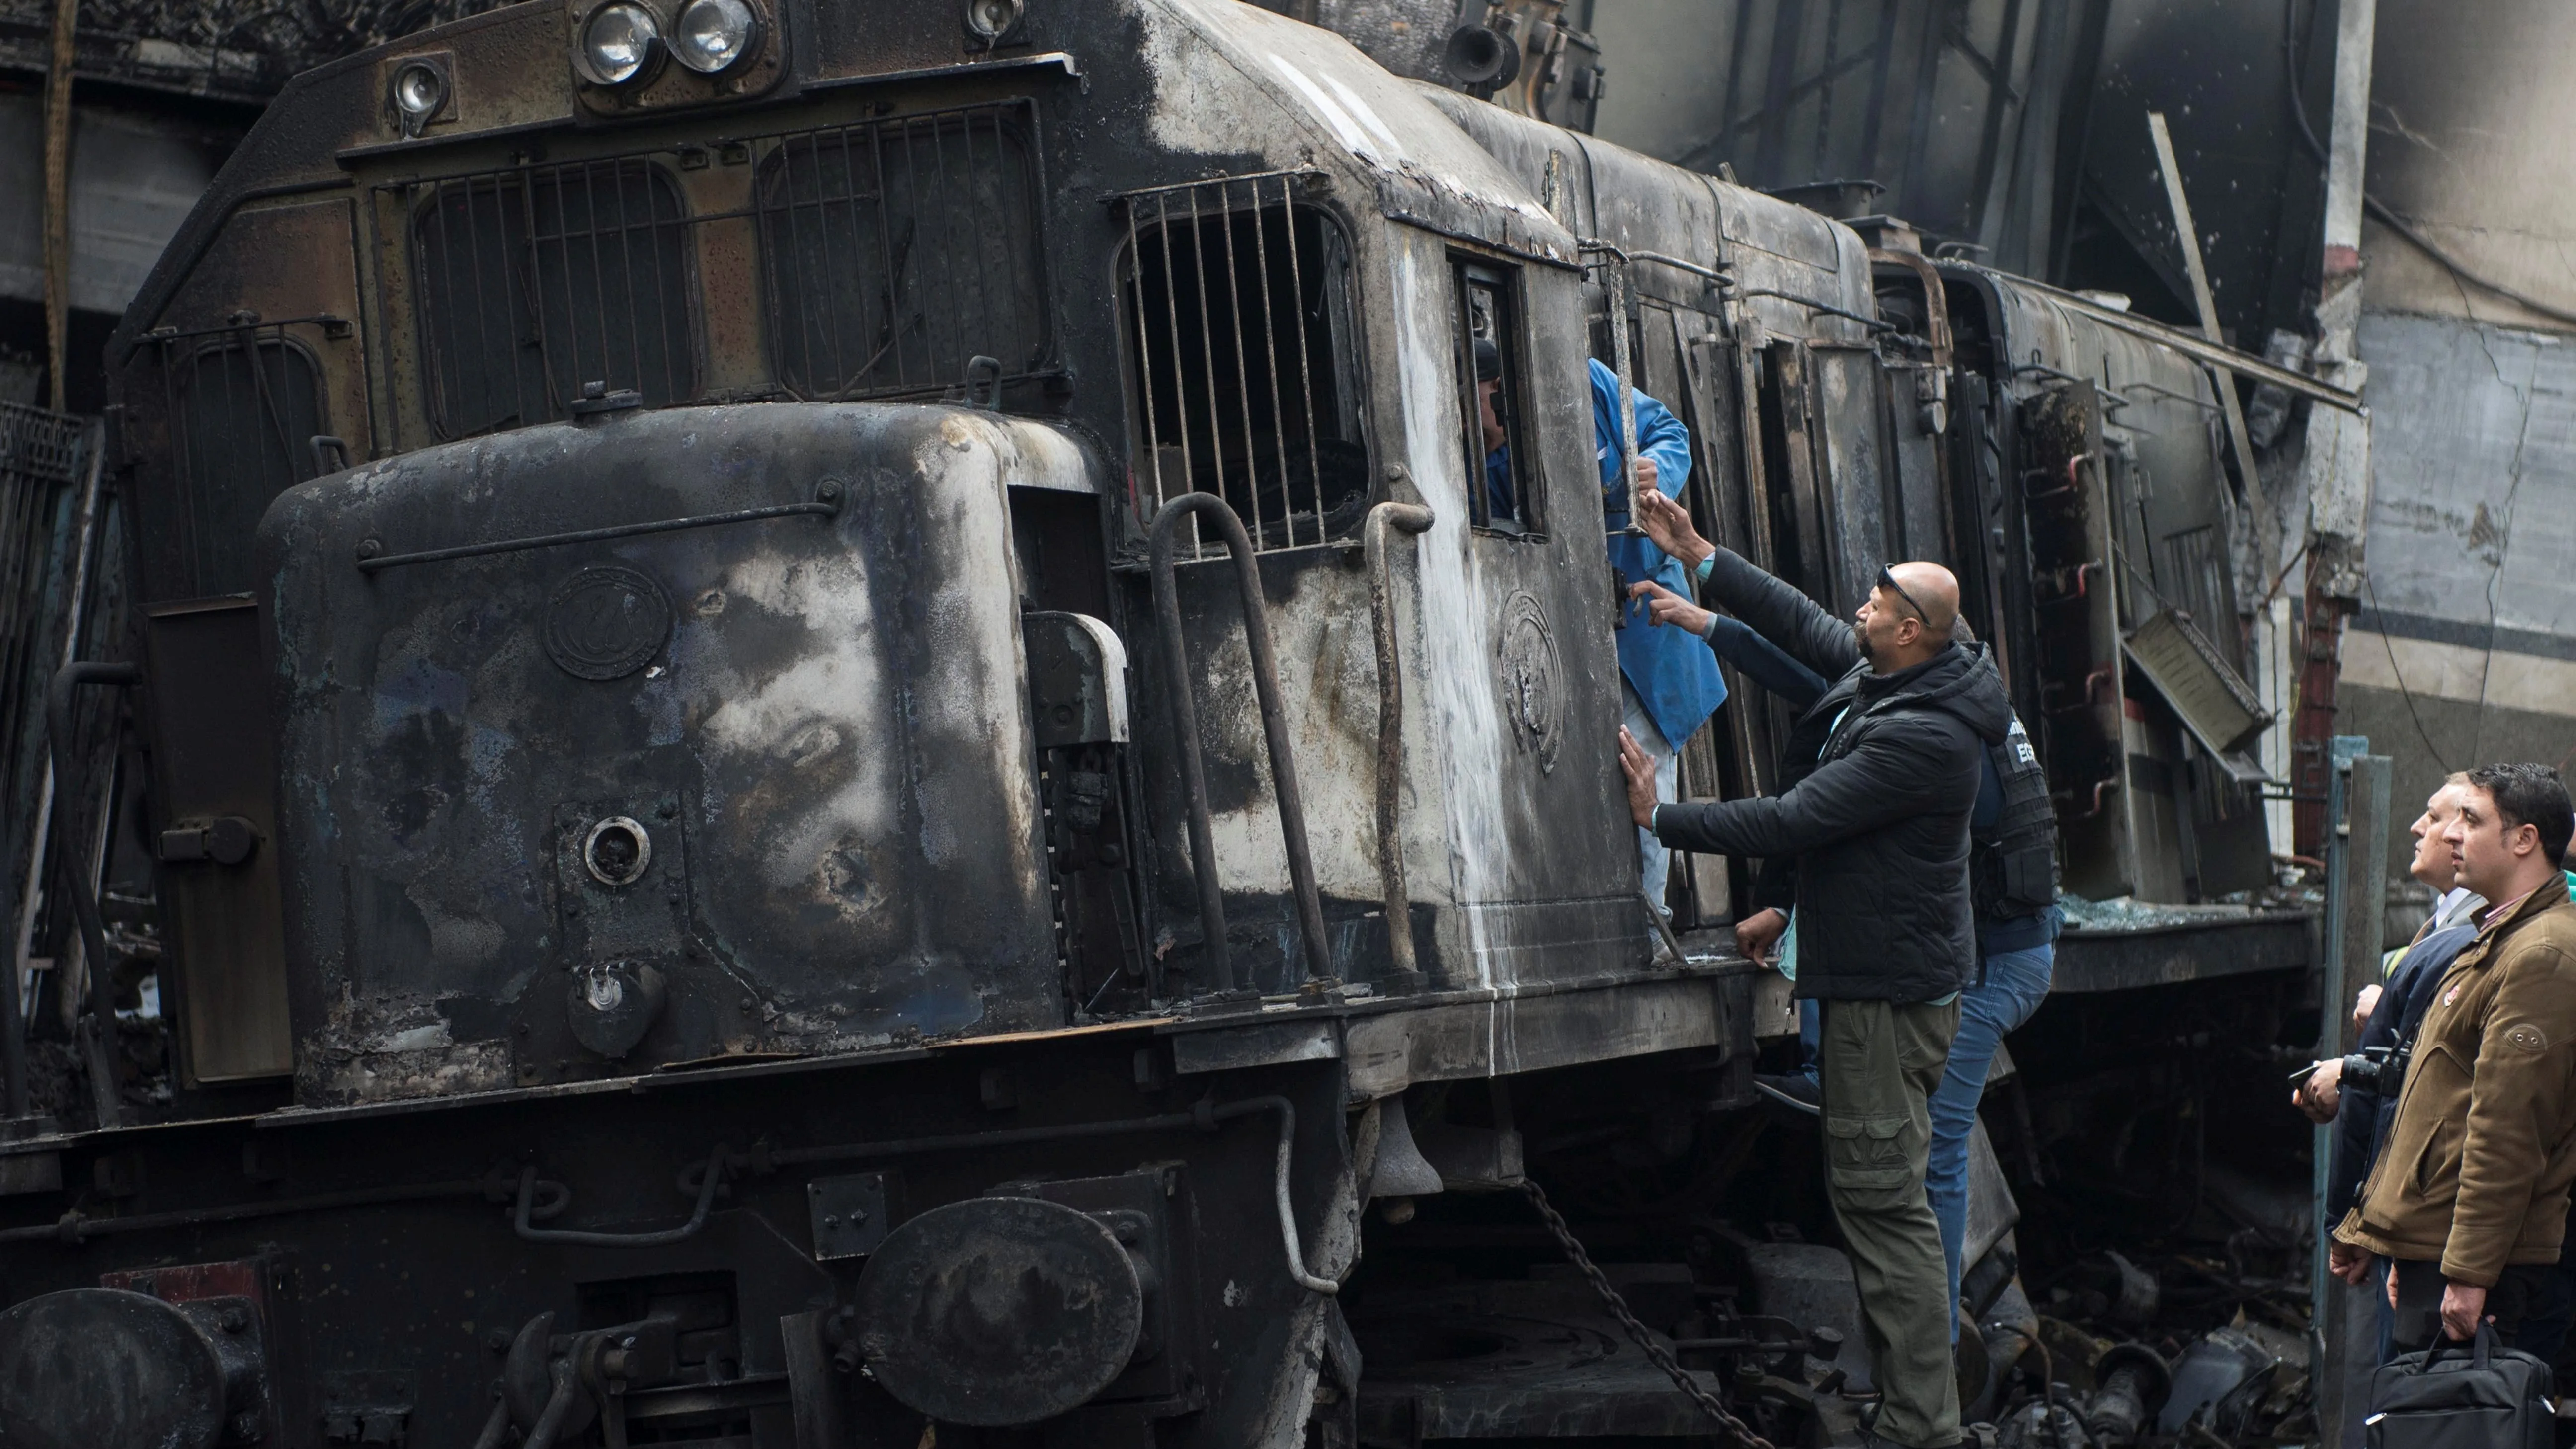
pixel 244 404
pixel 532 282
pixel 1239 350
pixel 2191 574
pixel 896 251
pixel 45 462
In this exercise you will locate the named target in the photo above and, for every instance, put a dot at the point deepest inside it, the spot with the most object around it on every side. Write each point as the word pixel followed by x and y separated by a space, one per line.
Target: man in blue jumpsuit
pixel 1669 682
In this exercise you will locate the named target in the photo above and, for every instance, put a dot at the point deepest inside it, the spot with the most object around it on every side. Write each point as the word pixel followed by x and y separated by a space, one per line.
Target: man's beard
pixel 1860 641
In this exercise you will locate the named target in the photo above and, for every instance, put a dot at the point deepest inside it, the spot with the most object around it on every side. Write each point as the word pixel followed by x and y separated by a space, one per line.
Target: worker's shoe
pixel 1795 1090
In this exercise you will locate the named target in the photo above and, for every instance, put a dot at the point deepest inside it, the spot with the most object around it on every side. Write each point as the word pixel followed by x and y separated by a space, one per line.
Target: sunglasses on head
pixel 1888 582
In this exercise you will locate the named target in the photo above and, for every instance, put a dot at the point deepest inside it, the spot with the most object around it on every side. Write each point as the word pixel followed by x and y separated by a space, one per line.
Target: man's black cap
pixel 1489 360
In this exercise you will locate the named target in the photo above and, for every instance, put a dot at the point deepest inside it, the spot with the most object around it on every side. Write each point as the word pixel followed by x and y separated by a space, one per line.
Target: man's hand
pixel 1756 934
pixel 1663 606
pixel 1647 476
pixel 1639 767
pixel 2463 1304
pixel 2322 1093
pixel 2363 1005
pixel 2347 1262
pixel 1668 524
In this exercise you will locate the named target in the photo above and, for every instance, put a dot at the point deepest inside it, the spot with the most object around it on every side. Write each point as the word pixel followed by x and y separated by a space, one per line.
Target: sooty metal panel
pixel 741 765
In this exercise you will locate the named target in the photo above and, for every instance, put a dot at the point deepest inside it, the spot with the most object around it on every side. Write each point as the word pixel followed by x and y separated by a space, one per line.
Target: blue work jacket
pixel 1671 670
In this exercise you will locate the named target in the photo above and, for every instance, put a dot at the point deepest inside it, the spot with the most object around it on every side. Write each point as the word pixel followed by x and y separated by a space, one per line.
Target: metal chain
pixel 1660 1356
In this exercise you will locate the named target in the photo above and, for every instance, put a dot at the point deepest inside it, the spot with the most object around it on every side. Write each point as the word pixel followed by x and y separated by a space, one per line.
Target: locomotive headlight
pixel 992 21
pixel 619 43
pixel 714 35
pixel 419 88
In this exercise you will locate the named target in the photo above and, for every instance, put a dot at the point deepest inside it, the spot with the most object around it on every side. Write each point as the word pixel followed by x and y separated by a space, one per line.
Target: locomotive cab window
pixel 534 282
pixel 1502 476
pixel 895 252
pixel 246 410
pixel 1242 368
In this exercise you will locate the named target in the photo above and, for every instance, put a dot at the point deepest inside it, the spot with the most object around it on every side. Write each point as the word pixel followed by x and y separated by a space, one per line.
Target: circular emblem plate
pixel 1532 677
pixel 606 622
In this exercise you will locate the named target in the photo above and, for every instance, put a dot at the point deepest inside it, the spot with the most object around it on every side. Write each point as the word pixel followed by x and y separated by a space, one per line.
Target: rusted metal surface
pixel 718 748
pixel 738 693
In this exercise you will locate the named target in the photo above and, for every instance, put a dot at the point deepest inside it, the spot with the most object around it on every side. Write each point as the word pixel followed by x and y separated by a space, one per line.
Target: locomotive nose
pixel 657 737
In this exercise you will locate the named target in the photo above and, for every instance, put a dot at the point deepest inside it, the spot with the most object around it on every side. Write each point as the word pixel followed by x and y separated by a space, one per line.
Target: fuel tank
pixel 658 736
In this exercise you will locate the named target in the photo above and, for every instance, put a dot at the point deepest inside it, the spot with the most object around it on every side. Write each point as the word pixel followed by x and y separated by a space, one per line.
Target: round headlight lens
pixel 993 19
pixel 419 90
pixel 617 42
pixel 715 35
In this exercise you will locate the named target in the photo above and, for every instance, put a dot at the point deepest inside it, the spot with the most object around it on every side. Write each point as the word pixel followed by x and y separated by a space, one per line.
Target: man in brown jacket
pixel 2468 1200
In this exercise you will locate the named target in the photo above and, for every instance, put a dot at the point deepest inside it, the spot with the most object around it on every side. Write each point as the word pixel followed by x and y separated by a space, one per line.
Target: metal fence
pixel 892 253
pixel 1240 356
pixel 48 514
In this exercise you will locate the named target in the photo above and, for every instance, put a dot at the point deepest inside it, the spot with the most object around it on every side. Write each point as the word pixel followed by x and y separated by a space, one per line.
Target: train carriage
pixel 840 738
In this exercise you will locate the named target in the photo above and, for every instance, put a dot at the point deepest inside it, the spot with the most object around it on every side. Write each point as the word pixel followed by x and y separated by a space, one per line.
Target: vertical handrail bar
pixel 1413 518
pixel 1274 729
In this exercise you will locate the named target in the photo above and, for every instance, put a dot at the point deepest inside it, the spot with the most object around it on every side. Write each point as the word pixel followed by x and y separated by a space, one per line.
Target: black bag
pixel 2462 1396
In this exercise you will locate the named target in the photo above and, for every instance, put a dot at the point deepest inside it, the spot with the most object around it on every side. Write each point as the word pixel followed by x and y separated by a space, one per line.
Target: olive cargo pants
pixel 1878 1065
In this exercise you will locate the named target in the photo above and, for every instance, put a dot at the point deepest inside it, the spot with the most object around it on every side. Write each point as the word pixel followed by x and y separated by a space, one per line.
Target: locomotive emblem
pixel 1533 678
pixel 606 622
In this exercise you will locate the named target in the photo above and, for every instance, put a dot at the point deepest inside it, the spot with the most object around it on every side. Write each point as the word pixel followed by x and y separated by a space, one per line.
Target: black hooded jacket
pixel 1876 814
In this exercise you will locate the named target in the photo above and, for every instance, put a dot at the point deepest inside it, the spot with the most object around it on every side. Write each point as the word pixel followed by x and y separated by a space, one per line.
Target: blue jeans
pixel 2016 982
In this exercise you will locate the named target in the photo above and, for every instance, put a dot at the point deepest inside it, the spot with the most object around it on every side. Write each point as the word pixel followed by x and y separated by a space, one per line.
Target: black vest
pixel 2014 865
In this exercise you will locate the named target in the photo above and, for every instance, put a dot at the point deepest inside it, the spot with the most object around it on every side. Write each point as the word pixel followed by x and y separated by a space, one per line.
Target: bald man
pixel 1874 807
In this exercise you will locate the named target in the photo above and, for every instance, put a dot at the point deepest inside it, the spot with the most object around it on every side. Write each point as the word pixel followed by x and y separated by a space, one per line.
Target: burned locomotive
pixel 837 743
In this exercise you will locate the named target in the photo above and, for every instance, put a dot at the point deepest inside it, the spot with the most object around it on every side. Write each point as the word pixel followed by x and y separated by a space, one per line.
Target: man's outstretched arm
pixel 1777 612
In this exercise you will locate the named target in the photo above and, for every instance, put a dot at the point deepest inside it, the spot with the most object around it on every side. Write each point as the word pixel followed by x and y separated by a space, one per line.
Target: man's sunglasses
pixel 1888 582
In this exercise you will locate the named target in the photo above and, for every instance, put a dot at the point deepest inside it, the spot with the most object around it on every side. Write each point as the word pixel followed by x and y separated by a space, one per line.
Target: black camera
pixel 2379 1069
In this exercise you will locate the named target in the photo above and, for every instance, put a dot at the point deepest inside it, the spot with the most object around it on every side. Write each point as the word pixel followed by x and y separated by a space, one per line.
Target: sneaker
pixel 1796 1091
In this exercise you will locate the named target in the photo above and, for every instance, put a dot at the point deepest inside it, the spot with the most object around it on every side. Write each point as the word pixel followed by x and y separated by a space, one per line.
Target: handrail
pixel 826 504
pixel 1413 518
pixel 1274 728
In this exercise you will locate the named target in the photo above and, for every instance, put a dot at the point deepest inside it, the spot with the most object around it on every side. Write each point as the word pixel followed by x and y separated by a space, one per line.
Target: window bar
pixel 1180 384
pixel 1270 370
pixel 775 254
pixel 947 248
pixel 1207 343
pixel 506 275
pixel 685 382
pixel 949 241
pixel 1145 367
pixel 830 330
pixel 626 266
pixel 792 226
pixel 598 259
pixel 186 452
pixel 893 269
pixel 446 369
pixel 535 289
pixel 247 339
pixel 981 236
pixel 846 376
pixel 1242 374
pixel 1305 363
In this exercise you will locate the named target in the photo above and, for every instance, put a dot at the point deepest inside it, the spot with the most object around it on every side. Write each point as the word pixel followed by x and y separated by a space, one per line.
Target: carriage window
pixel 1240 358
pixel 1502 477
pixel 895 252
pixel 534 282
pixel 247 412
